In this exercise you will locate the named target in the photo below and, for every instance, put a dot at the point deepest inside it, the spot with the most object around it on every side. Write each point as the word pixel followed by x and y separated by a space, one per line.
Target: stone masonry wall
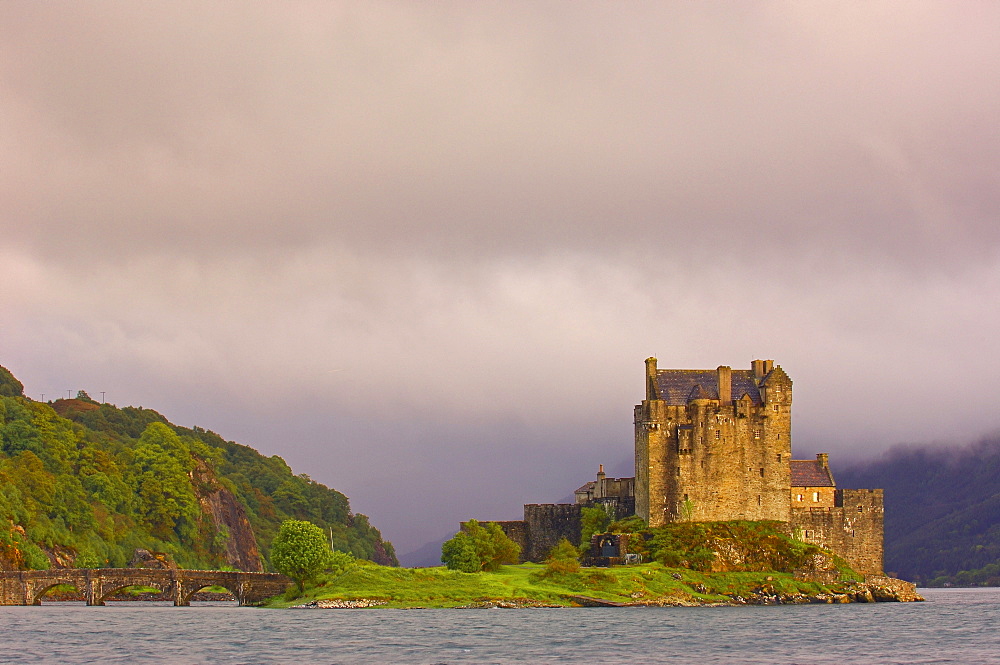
pixel 852 528
pixel 517 530
pixel 547 524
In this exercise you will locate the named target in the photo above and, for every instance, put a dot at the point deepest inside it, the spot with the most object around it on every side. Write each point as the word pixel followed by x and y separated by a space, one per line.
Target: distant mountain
pixel 942 510
pixel 84 484
pixel 427 555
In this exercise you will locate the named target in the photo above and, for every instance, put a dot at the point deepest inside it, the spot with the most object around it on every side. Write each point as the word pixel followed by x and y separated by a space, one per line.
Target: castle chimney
pixel 651 391
pixel 823 459
pixel 725 375
pixel 759 371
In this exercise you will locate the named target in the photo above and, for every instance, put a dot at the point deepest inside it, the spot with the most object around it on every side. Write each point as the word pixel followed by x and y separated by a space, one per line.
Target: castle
pixel 715 445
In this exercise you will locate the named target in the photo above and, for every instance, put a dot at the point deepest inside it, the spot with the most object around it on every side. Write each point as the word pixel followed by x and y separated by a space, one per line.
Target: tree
pixel 592 520
pixel 300 550
pixel 460 554
pixel 489 545
pixel 164 494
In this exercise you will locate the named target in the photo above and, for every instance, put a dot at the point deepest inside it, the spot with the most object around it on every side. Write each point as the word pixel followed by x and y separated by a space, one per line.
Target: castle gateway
pixel 715 445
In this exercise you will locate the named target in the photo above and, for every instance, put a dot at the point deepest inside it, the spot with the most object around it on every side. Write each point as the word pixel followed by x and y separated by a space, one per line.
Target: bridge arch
pixel 39 591
pixel 192 588
pixel 112 589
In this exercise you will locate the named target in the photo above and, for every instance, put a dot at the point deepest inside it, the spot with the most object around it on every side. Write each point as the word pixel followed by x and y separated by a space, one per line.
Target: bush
pixel 34 557
pixel 339 562
pixel 562 558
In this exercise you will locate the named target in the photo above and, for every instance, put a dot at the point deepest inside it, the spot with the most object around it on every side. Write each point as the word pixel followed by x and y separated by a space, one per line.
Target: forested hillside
pixel 84 484
pixel 942 511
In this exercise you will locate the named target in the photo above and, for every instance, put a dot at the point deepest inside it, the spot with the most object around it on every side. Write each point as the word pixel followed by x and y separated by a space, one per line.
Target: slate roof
pixel 810 473
pixel 587 487
pixel 676 386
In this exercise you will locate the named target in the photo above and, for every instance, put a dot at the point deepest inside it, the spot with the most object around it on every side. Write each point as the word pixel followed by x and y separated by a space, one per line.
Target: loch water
pixel 953 626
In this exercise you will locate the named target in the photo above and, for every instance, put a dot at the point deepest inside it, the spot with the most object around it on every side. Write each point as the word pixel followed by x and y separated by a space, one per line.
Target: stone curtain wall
pixel 852 528
pixel 516 530
pixel 544 524
pixel 547 524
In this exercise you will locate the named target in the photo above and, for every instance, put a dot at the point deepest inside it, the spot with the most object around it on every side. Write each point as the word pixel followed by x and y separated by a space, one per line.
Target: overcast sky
pixel 421 250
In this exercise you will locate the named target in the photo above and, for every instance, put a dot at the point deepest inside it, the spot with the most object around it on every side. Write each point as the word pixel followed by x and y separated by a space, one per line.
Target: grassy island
pixel 531 585
pixel 706 563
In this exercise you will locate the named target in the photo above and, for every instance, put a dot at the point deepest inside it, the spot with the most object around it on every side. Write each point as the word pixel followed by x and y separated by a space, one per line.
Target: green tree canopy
pixel 460 554
pixel 489 545
pixel 300 550
pixel 592 520
pixel 10 386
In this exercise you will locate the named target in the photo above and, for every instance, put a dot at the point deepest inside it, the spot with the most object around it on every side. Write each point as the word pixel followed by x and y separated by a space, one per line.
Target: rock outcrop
pixel 230 520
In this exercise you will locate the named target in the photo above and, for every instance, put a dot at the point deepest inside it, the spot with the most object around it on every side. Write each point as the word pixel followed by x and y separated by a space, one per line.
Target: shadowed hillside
pixel 942 510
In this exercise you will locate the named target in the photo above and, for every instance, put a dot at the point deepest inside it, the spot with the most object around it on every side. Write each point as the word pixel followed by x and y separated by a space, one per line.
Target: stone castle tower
pixel 713 445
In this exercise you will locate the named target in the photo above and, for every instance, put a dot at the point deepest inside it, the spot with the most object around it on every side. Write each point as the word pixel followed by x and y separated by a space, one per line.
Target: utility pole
pixel 68 393
pixel 43 397
pixel 102 397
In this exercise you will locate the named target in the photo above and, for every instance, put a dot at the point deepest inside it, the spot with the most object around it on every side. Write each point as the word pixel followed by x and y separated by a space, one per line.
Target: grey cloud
pixel 396 126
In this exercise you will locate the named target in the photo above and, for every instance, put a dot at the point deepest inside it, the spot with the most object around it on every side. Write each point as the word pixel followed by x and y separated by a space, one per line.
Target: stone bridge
pixel 26 587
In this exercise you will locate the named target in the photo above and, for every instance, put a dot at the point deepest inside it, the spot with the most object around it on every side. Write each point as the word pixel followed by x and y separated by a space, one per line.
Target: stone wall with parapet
pixel 544 524
pixel 618 508
pixel 547 524
pixel 517 530
pixel 852 528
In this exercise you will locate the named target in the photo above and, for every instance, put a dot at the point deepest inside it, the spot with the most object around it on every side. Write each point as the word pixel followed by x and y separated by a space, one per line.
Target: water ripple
pixel 954 626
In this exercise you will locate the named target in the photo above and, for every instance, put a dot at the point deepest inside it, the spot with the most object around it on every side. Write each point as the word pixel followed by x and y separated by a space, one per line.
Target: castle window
pixel 762 472
pixel 861 509
pixel 779 458
pixel 678 471
pixel 809 534
pixel 775 407
pixel 759 500
pixel 756 434
pixel 815 497
pixel 718 434
pixel 799 497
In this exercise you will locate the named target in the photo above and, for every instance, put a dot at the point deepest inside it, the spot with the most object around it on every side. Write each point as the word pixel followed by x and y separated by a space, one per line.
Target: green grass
pixel 439 587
